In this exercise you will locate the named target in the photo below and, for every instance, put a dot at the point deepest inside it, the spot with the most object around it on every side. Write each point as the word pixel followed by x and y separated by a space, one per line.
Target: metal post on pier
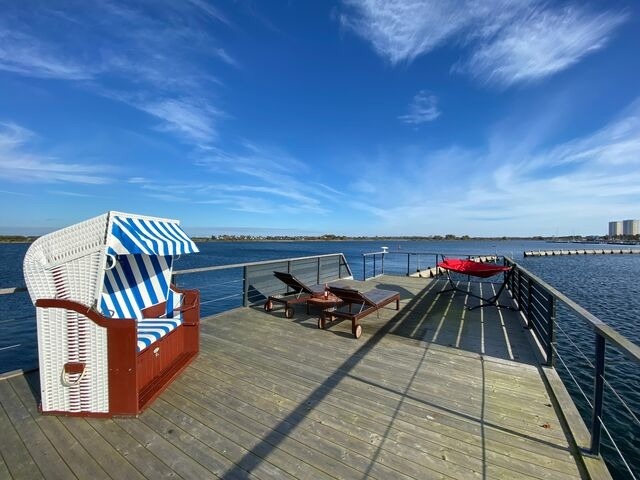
pixel 529 300
pixel 408 263
pixel 245 287
pixel 364 267
pixel 551 335
pixel 598 396
pixel 374 264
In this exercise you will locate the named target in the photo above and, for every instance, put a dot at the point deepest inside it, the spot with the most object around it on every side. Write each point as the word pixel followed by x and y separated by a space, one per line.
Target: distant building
pixel 615 228
pixel 631 227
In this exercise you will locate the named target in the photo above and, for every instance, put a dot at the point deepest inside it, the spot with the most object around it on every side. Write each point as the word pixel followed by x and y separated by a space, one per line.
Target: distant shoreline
pixel 337 238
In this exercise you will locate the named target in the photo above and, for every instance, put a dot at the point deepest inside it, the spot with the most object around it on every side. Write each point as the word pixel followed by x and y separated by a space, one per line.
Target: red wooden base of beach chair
pixel 135 378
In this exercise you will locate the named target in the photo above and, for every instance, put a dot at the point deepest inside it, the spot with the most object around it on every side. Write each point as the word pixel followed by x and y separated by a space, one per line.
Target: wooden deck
pixel 431 391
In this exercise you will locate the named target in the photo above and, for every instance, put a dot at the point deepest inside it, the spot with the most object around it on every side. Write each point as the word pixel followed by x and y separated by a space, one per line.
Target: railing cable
pixel 558 356
pixel 617 449
pixel 221 298
pixel 558 327
pixel 622 401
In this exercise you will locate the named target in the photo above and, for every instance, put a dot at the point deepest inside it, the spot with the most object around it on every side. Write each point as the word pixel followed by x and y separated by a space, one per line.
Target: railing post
pixel 529 300
pixel 382 272
pixel 245 287
pixel 551 336
pixel 598 396
pixel 374 264
pixel 364 267
pixel 408 263
pixel 318 275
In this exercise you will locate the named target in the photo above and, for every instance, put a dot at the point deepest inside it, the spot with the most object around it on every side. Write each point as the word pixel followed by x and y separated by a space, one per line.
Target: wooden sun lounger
pixel 297 292
pixel 369 302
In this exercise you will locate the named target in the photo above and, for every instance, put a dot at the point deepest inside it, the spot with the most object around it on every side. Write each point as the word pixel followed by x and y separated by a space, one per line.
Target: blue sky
pixel 357 117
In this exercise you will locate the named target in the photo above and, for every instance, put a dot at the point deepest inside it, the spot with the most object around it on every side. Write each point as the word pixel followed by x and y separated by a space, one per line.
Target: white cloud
pixel 224 56
pixel 71 194
pixel 509 41
pixel 27 55
pixel 209 10
pixel 18 165
pixel 540 44
pixel 402 30
pixel 121 51
pixel 572 186
pixel 423 108
pixel 257 179
pixel 185 117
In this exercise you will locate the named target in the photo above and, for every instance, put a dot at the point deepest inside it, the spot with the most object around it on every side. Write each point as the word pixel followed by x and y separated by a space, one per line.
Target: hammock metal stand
pixel 476 269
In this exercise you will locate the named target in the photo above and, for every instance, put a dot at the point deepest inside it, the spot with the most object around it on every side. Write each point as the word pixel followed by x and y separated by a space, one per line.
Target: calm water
pixel 607 285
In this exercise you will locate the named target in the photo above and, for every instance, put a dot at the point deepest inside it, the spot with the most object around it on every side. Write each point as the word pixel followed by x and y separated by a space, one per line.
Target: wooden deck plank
pixel 435 388
pixel 140 457
pixel 265 424
pixel 283 385
pixel 15 455
pixel 287 389
pixel 430 391
pixel 193 446
pixel 467 372
pixel 237 456
pixel 353 452
pixel 72 452
pixel 208 409
pixel 4 470
pixel 35 442
pixel 176 459
pixel 102 451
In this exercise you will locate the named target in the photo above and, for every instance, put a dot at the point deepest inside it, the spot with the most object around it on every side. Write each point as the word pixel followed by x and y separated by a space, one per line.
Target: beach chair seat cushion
pixel 152 329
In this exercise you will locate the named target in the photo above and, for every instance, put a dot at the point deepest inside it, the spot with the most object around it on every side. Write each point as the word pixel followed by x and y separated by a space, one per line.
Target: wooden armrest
pixel 88 312
pixel 184 308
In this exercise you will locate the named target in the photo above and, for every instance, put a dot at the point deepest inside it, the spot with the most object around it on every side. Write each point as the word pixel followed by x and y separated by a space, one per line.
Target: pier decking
pixel 431 391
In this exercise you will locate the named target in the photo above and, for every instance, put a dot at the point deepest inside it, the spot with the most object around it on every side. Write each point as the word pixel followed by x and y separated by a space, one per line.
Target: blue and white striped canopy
pixel 135 235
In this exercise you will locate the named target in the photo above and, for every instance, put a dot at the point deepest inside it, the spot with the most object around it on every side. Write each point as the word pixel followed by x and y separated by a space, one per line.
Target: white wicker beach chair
pixel 112 329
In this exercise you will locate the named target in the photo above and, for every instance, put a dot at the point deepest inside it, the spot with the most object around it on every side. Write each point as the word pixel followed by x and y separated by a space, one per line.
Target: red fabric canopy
pixel 469 267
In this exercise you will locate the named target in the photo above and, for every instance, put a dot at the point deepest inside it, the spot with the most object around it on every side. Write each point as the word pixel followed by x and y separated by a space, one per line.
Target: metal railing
pixel 395 263
pixel 257 279
pixel 546 311
pixel 222 288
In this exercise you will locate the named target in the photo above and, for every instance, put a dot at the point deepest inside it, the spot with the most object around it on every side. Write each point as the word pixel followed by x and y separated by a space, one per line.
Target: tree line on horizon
pixel 332 237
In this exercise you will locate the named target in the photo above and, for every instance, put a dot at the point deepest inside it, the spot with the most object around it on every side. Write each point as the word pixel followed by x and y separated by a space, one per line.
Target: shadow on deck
pixel 430 391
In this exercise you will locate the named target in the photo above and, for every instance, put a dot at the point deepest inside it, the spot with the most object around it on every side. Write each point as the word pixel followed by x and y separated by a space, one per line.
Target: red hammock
pixel 476 269
pixel 469 267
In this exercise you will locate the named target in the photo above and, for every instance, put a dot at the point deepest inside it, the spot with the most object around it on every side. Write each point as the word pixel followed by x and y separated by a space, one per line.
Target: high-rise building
pixel 631 227
pixel 615 228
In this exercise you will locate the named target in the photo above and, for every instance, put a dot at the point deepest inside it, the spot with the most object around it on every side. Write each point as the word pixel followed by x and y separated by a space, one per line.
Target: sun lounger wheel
pixel 268 306
pixel 321 322
pixel 357 331
pixel 288 312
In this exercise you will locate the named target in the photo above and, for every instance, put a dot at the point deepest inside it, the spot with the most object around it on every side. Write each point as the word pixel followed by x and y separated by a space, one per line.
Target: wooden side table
pixel 326 304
